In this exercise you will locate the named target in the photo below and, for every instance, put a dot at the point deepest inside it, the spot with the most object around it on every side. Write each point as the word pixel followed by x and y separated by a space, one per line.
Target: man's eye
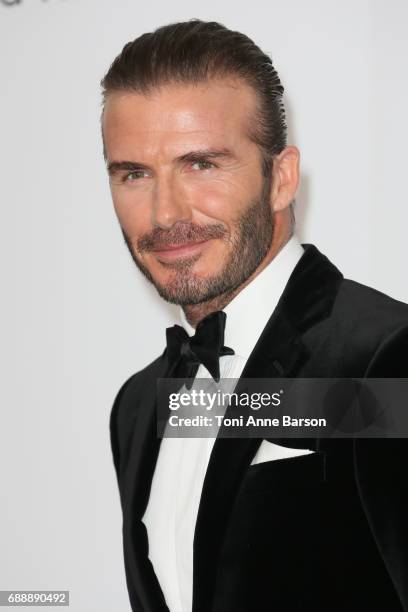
pixel 134 175
pixel 202 164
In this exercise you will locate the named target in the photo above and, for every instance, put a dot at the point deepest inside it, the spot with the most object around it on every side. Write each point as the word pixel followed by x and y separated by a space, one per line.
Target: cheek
pixel 214 259
pixel 218 201
pixel 133 214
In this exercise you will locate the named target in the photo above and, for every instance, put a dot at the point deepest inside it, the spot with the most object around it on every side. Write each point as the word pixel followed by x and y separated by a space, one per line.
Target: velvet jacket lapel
pixel 279 352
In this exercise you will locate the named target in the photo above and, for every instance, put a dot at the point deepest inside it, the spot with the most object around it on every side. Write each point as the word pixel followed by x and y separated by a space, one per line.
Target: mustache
pixel 178 235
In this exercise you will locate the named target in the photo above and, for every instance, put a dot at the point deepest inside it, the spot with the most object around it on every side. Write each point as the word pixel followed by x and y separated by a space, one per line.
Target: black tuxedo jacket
pixel 322 532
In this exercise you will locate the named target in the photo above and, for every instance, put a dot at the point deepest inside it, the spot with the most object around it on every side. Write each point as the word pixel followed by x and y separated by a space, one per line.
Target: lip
pixel 170 253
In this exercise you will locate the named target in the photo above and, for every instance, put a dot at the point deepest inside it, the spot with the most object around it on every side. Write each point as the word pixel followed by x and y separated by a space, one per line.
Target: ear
pixel 285 178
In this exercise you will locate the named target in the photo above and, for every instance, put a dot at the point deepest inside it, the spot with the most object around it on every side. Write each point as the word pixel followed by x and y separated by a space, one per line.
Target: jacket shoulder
pixel 363 308
pixel 368 324
pixel 363 326
pixel 124 409
pixel 363 295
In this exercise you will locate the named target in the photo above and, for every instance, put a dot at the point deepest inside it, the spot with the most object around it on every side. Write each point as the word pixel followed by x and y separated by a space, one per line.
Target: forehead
pixel 178 116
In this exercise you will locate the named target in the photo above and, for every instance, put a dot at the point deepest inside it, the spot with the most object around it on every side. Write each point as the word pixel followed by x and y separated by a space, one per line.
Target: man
pixel 203 184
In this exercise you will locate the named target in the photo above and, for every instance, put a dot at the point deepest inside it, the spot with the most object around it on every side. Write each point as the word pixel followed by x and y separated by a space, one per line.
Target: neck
pixel 196 312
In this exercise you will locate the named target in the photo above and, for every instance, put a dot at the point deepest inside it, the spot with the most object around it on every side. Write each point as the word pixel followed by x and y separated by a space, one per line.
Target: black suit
pixel 323 532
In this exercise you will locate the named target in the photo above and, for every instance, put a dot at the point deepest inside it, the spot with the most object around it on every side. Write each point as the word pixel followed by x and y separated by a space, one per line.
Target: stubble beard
pixel 248 246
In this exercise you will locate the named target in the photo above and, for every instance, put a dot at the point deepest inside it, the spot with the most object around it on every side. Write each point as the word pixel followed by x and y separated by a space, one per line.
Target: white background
pixel 77 318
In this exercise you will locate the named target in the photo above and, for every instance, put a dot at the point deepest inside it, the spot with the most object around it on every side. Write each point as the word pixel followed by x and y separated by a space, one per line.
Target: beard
pixel 248 243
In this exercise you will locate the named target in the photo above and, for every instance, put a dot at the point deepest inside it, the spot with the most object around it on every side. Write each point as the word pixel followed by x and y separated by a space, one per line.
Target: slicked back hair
pixel 196 51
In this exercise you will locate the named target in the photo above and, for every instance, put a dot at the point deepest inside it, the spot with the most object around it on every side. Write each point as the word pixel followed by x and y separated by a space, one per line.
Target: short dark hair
pixel 195 51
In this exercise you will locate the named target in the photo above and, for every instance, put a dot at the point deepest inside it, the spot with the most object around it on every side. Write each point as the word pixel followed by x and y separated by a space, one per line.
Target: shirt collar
pixel 250 310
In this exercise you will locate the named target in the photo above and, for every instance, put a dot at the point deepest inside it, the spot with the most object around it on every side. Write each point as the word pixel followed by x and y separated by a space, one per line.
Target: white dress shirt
pixel 177 483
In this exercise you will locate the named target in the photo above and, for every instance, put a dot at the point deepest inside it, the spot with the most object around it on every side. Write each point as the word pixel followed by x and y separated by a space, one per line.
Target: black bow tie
pixel 206 346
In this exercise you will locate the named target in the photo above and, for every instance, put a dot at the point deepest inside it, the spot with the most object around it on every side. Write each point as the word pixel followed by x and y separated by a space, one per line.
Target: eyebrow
pixel 204 154
pixel 116 166
pixel 191 156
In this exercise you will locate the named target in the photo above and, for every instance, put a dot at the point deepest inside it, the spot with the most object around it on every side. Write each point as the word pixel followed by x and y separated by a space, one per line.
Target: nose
pixel 169 204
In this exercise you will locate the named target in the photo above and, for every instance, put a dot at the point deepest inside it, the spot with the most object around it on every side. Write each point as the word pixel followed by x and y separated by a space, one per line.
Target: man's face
pixel 187 186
